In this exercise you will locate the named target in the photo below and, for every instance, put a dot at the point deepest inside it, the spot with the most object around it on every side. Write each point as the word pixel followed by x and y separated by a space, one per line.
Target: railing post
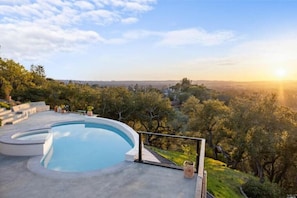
pixel 204 185
pixel 140 147
pixel 197 154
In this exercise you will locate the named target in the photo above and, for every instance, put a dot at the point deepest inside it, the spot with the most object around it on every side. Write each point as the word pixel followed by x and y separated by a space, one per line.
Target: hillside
pixel 222 181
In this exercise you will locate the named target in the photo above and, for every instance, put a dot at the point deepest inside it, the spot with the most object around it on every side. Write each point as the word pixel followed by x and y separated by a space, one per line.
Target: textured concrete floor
pixel 131 180
pixel 18 180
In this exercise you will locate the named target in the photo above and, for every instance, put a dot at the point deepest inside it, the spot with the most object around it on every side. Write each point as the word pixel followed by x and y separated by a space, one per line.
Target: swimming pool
pixel 39 145
pixel 86 146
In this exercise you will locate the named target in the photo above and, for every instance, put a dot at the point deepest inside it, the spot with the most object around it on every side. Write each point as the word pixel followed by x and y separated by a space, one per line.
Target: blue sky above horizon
pixel 239 40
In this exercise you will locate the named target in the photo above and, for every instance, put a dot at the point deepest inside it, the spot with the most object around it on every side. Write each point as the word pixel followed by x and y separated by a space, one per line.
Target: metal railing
pixel 201 183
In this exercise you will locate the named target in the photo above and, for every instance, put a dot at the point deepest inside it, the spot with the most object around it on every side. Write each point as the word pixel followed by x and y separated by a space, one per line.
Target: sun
pixel 280 73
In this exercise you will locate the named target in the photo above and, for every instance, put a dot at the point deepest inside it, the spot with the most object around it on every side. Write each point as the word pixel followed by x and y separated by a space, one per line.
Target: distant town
pixel 212 84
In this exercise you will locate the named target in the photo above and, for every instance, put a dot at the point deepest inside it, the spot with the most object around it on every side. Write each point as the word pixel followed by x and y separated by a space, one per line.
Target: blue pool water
pixel 85 147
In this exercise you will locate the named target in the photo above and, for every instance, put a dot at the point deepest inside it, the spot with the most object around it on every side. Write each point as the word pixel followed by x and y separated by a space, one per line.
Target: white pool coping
pixel 131 155
pixel 36 167
pixel 10 145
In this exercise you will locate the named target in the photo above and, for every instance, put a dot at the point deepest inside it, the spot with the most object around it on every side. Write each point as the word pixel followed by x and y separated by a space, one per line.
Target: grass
pixel 221 181
pixel 177 157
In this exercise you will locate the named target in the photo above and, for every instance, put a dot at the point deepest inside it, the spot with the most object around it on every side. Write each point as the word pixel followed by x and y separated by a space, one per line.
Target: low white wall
pixel 21 149
pixel 20 107
pixel 47 157
pixel 48 144
pixel 40 106
pixel 14 147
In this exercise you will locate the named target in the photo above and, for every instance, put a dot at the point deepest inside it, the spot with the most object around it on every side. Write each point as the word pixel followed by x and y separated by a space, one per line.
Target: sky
pixel 230 40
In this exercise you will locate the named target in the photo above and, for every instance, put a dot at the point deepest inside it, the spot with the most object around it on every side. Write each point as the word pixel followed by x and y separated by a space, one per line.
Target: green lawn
pixel 222 181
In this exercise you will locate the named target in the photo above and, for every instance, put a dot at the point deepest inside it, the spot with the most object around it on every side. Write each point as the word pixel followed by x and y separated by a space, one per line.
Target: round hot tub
pixel 33 135
pixel 30 143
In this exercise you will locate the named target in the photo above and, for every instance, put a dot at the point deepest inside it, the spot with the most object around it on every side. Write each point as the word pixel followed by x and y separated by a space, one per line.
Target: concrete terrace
pixel 25 177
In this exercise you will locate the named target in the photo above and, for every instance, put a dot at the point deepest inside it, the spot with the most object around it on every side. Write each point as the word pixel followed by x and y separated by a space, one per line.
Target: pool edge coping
pixel 36 167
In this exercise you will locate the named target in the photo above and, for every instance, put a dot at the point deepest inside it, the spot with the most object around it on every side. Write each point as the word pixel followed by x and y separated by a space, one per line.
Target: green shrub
pixel 4 105
pixel 254 189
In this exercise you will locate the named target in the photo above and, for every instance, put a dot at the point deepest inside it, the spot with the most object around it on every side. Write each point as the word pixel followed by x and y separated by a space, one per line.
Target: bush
pixel 254 189
pixel 4 105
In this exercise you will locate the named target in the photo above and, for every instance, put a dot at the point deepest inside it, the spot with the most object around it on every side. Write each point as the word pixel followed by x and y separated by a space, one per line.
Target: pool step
pixel 4 112
pixel 9 117
pixel 10 114
pixel 21 112
pixel 17 118
pixel 6 116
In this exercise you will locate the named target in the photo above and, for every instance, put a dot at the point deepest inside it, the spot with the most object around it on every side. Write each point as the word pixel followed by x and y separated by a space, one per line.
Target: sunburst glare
pixel 281 73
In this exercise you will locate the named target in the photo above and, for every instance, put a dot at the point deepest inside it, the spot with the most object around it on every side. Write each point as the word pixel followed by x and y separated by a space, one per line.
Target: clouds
pixel 247 60
pixel 84 5
pixel 269 54
pixel 144 37
pixel 191 36
pixel 29 41
pixel 196 36
pixel 129 20
pixel 33 29
pixel 73 12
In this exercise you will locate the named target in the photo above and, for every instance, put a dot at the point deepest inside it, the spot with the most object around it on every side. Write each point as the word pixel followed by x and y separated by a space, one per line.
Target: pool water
pixel 86 147
pixel 37 136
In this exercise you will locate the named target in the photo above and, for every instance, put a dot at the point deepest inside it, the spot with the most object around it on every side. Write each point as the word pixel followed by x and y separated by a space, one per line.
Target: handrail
pixel 201 183
pixel 201 188
pixel 199 150
pixel 168 135
pixel 201 159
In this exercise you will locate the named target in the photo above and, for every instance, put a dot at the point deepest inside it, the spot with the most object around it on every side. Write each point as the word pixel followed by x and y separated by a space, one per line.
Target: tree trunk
pixel 210 139
pixel 260 173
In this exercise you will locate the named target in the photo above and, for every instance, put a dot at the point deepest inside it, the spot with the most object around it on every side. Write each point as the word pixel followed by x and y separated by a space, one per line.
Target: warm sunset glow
pixel 281 73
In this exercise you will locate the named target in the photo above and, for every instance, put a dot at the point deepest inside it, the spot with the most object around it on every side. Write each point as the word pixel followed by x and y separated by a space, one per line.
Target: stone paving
pixel 22 177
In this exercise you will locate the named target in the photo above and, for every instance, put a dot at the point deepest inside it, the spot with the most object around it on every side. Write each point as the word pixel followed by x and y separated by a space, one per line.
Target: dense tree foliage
pixel 182 91
pixel 251 131
pixel 115 103
pixel 260 130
